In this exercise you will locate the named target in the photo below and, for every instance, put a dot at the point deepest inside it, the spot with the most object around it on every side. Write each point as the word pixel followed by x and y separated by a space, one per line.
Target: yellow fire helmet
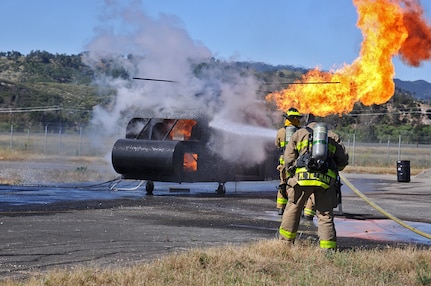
pixel 292 112
pixel 292 117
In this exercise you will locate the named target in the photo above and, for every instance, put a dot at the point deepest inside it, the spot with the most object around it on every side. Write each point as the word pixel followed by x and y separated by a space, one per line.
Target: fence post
pixel 348 142
pixel 28 139
pixel 11 138
pixel 80 140
pixel 353 144
pixel 399 147
pixel 46 139
pixel 389 144
pixel 59 141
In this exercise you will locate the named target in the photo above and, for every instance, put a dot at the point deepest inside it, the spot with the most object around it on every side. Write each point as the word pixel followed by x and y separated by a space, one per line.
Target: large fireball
pixel 389 28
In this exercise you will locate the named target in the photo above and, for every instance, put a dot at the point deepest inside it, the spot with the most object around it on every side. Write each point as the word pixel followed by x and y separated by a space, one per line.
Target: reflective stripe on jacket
pixel 324 180
pixel 299 145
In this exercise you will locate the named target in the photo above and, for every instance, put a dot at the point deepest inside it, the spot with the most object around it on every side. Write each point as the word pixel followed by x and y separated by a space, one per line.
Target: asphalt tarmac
pixel 72 225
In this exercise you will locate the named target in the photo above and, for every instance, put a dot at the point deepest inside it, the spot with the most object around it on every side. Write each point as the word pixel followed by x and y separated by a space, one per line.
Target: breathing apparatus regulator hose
pixel 382 211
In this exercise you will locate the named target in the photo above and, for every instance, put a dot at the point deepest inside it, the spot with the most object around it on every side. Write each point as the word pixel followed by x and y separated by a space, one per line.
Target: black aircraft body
pixel 176 150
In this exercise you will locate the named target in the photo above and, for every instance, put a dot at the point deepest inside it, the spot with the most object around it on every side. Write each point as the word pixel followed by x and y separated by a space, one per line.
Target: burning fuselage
pixel 176 150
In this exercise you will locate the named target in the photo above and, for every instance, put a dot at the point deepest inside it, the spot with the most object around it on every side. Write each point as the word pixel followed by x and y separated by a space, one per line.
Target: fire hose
pixel 382 211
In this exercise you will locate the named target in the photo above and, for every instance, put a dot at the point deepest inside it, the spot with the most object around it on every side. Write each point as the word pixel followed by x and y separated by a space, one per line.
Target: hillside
pixel 59 85
pixel 62 86
pixel 420 89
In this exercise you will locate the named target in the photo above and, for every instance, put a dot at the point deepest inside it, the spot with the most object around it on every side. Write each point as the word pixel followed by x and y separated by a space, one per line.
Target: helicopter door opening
pixel 190 162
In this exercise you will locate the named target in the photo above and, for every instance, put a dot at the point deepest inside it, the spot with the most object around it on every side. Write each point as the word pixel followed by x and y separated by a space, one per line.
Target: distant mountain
pixel 263 67
pixel 420 89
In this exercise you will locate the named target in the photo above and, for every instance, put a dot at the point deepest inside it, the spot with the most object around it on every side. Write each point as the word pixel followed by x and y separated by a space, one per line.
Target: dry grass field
pixel 372 158
pixel 267 262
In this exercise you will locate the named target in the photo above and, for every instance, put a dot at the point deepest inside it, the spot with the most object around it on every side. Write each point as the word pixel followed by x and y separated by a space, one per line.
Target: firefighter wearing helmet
pixel 291 124
pixel 316 154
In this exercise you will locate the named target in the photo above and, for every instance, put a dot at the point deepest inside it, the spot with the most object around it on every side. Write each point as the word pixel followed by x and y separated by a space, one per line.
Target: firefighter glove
pixel 283 190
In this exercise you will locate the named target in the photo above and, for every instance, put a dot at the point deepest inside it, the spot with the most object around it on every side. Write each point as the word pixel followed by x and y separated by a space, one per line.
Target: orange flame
pixel 388 27
pixel 182 129
pixel 190 163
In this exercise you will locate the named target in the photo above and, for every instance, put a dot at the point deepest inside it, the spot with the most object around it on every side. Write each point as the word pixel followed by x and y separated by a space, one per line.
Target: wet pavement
pixel 48 226
pixel 382 230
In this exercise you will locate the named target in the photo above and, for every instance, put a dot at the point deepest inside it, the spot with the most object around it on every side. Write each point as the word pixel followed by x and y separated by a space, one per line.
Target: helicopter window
pixel 175 129
pixel 182 130
pixel 137 128
pixel 158 131
pixel 190 162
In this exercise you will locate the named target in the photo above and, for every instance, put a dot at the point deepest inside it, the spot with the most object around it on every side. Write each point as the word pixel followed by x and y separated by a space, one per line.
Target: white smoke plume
pixel 161 48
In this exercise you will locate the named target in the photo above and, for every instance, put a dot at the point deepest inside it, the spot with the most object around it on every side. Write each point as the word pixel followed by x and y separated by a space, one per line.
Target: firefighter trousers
pixel 310 209
pixel 281 200
pixel 324 211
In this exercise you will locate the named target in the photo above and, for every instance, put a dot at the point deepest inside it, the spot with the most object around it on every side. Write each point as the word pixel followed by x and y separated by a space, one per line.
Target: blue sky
pixel 305 33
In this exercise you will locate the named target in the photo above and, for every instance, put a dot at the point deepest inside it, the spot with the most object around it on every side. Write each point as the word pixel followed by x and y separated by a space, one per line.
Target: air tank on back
pixel 320 141
pixel 289 132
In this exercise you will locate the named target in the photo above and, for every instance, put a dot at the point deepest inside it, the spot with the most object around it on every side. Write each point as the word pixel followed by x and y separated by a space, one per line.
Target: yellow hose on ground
pixel 382 211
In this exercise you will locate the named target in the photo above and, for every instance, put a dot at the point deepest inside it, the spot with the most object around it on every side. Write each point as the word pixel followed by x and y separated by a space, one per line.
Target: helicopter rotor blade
pixel 154 79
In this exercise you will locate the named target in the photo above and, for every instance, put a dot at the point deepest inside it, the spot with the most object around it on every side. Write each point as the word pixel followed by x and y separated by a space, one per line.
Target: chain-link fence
pixel 45 141
pixel 387 154
pixel 83 142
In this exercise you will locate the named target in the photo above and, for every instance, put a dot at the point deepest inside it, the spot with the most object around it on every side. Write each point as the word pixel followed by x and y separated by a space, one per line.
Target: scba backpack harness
pixel 313 167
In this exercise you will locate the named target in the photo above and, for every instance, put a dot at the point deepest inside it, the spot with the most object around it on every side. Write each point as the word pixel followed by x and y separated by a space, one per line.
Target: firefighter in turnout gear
pixel 291 124
pixel 317 155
